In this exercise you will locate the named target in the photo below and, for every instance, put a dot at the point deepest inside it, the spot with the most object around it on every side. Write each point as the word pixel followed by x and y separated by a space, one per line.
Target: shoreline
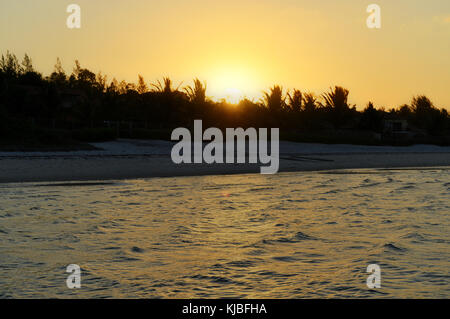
pixel 70 168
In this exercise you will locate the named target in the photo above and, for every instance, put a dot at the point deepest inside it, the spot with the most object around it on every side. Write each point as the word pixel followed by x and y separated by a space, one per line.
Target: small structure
pixel 397 129
pixel 395 126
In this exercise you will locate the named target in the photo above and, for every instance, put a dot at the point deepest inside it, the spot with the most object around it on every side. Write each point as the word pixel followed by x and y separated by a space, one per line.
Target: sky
pixel 242 47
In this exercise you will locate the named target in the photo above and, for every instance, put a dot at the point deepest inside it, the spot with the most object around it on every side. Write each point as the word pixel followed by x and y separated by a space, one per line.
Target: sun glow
pixel 233 95
pixel 232 85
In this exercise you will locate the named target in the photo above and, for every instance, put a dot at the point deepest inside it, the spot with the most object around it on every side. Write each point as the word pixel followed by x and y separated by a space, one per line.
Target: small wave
pixel 124 259
pixel 182 230
pixel 333 191
pixel 414 236
pixel 390 246
pixel 221 280
pixel 256 252
pixel 303 236
pixel 407 187
pixel 112 248
pixel 259 189
pixel 136 249
pixel 274 274
pixel 214 279
pixel 241 263
pixel 258 219
pixel 294 239
pixel 368 185
pixel 285 258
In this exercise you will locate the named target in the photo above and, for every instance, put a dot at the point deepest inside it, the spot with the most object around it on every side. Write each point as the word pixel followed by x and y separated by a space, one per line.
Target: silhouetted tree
pixel 58 76
pixel 165 86
pixel 141 87
pixel 101 82
pixel 371 119
pixel 309 102
pixel 337 98
pixel 426 116
pixel 295 101
pixel 27 64
pixel 197 93
pixel 336 101
pixel 275 99
pixel 87 100
pixel 10 66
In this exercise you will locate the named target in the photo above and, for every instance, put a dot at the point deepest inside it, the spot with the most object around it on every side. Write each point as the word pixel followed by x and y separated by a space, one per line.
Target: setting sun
pixel 232 84
pixel 233 95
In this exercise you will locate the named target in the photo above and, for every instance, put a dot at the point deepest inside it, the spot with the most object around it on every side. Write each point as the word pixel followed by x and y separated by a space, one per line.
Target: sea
pixel 290 235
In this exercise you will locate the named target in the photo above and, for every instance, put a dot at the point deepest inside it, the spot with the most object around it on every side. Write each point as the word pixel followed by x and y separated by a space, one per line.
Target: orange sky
pixel 243 47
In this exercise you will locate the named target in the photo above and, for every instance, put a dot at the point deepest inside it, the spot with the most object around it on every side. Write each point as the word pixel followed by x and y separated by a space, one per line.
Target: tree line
pixel 81 100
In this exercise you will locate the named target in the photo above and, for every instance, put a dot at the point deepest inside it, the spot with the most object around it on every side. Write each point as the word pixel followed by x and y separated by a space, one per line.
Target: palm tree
pixel 141 87
pixel 275 99
pixel 295 100
pixel 196 94
pixel 337 98
pixel 165 86
pixel 309 102
pixel 336 101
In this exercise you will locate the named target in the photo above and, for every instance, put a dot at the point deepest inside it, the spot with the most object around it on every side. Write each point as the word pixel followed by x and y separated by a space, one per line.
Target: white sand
pixel 158 147
pixel 129 159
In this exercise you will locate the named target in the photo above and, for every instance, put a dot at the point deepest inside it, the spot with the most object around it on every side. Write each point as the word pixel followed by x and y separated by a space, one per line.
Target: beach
pixel 139 226
pixel 131 159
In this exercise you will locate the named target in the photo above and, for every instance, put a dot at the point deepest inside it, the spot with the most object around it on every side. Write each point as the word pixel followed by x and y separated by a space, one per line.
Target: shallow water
pixel 294 235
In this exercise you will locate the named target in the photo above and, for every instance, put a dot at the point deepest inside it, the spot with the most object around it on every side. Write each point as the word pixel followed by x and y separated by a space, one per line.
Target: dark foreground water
pixel 290 235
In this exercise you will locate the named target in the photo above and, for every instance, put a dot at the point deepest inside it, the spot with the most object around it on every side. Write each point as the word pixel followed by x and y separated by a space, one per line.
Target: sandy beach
pixel 132 159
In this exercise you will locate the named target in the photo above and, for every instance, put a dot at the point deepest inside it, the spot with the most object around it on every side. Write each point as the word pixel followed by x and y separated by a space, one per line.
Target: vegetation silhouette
pixel 62 109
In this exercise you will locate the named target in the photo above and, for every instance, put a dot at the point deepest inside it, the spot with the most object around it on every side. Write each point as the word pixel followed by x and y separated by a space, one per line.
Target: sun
pixel 233 95
pixel 231 84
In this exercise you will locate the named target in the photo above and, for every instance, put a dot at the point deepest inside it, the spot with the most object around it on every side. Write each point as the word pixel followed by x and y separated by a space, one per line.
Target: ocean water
pixel 293 235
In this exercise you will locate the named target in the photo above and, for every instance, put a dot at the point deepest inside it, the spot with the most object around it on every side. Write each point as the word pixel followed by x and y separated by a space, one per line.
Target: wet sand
pixel 48 168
